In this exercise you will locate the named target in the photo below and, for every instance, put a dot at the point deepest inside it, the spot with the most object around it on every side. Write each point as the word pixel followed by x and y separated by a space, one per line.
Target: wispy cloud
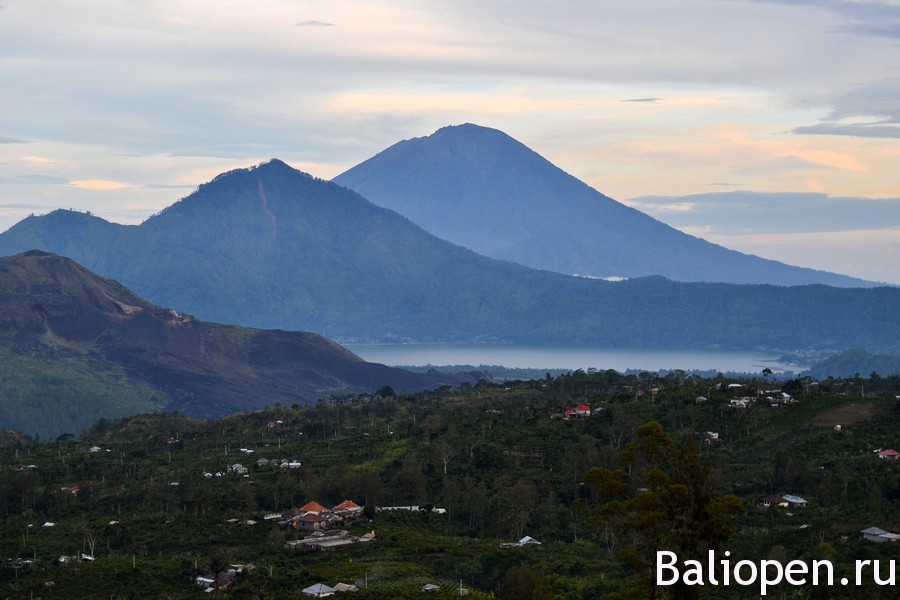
pixel 98 184
pixel 10 140
pixel 314 23
pixel 647 100
pixel 747 213
pixel 39 160
pixel 866 111
pixel 41 178
pixel 874 130
pixel 681 207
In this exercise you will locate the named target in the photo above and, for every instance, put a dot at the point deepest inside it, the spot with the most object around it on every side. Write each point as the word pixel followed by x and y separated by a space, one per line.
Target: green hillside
pixel 600 493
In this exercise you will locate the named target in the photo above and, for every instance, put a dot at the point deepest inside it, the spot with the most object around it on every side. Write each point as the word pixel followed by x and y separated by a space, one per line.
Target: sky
pixel 769 127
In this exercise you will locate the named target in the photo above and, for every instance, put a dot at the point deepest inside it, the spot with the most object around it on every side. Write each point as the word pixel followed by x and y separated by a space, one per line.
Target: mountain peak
pixel 477 139
pixel 479 188
pixel 468 129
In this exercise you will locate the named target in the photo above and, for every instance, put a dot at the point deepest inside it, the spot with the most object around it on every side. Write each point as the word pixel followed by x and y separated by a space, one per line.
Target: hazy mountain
pixel 479 188
pixel 273 247
pixel 76 347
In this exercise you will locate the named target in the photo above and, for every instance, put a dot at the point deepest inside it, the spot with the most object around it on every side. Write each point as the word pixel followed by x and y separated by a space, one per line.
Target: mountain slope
pixel 76 347
pixel 479 188
pixel 273 247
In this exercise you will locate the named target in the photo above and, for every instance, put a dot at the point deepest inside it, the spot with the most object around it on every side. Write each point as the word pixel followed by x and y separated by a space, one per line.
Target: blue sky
pixel 771 127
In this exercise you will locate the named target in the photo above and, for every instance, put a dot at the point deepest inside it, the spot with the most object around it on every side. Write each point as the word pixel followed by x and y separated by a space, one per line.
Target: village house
pixel 796 501
pixel 318 590
pixel 774 501
pixel 238 469
pixel 311 507
pixel 878 535
pixel 741 403
pixel 328 540
pixel 889 454
pixel 310 521
pixel 780 399
pixel 347 508
pixel 581 411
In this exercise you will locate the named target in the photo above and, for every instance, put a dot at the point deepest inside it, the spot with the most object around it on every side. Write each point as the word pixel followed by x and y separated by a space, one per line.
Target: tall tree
pixel 669 501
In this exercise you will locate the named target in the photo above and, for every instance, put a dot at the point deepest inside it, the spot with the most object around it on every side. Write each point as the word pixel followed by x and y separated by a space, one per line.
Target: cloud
pixel 858 17
pixel 648 100
pixel 98 184
pixel 870 110
pixel 680 207
pixel 40 160
pixel 753 213
pixel 874 130
pixel 872 254
pixel 314 23
pixel 10 140
pixel 41 178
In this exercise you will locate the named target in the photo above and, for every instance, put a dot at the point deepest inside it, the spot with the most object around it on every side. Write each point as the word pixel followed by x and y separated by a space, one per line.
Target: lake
pixel 569 357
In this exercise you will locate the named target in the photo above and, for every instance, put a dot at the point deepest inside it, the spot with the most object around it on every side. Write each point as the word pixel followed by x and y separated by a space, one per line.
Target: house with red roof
pixel 889 454
pixel 774 501
pixel 579 412
pixel 582 410
pixel 310 521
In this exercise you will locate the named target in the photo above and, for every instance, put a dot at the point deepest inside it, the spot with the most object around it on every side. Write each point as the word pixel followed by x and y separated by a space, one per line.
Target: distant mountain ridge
pixel 480 188
pixel 272 247
pixel 88 347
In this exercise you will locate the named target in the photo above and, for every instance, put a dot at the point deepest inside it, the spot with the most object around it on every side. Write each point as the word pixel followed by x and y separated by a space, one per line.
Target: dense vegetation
pixel 853 363
pixel 600 493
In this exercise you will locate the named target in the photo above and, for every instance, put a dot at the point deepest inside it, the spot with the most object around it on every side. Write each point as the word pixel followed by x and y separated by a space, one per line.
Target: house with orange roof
pixel 312 507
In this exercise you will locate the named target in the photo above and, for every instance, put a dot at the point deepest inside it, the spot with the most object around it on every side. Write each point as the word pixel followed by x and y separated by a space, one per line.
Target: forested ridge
pixel 156 500
pixel 275 248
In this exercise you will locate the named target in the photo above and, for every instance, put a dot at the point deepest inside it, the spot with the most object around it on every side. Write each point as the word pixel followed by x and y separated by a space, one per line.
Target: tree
pixel 670 504
pixel 217 566
pixel 523 583
pixel 446 450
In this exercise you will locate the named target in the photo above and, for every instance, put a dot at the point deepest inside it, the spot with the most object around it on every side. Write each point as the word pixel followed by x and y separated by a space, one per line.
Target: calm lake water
pixel 569 357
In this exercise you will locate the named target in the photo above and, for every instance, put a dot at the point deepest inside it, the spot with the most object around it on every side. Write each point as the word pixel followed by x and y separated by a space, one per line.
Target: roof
pixel 312 507
pixel 312 518
pixel 889 452
pixel 873 531
pixel 318 590
pixel 794 499
pixel 345 587
pixel 348 505
pixel 582 407
pixel 528 540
